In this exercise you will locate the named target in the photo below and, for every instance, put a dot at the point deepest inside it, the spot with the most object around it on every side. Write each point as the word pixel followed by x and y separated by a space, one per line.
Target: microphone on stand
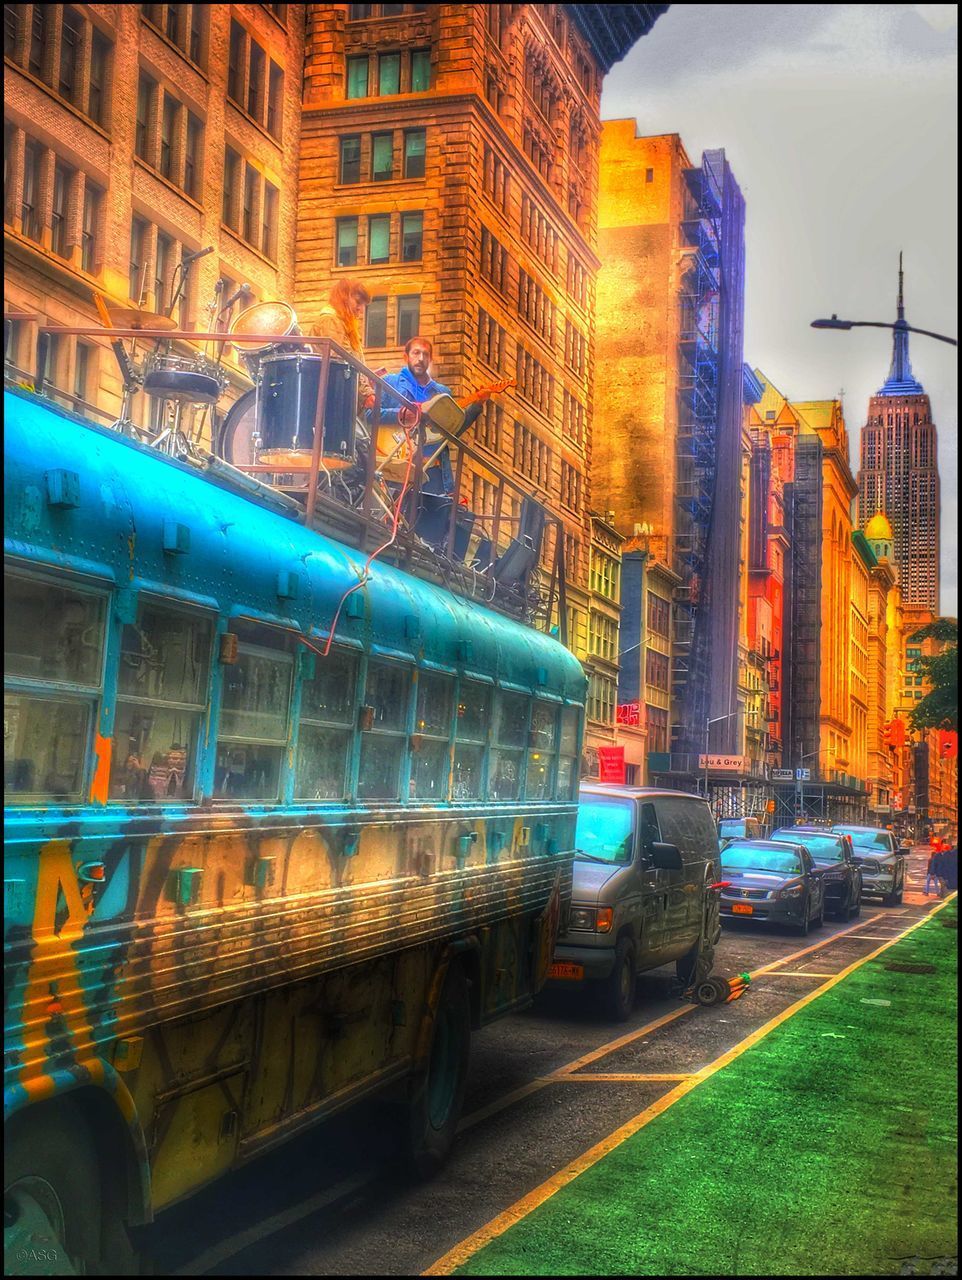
pixel 197 253
pixel 240 292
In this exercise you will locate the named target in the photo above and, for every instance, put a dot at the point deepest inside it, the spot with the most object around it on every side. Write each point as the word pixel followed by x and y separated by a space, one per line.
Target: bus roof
pixel 237 555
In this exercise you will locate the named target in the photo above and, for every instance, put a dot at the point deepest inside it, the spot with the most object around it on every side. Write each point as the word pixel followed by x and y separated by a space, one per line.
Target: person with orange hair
pixel 342 319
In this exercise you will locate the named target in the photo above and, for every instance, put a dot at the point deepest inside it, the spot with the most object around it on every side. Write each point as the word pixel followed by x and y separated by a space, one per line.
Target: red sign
pixel 948 744
pixel 611 764
pixel 628 713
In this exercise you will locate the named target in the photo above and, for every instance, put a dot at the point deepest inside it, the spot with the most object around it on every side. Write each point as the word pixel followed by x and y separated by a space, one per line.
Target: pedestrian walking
pixel 931 874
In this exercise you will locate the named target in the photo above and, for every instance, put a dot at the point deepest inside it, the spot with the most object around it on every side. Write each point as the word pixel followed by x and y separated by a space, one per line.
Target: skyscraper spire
pixel 901 381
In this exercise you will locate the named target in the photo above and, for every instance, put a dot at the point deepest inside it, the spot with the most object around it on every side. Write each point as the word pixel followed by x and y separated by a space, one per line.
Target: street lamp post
pixel 835 323
pixel 708 725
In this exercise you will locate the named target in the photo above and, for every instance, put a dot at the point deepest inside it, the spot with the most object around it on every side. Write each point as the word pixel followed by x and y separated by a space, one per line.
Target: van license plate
pixel 742 909
pixel 562 969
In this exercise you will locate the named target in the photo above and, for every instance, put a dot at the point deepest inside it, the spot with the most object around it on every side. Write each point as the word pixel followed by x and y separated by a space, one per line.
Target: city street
pixel 545 1086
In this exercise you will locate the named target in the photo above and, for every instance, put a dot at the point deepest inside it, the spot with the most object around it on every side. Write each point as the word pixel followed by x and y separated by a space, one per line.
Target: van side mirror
pixel 666 857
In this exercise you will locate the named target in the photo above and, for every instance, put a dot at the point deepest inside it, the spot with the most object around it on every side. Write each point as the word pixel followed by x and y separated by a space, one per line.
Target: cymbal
pixel 134 318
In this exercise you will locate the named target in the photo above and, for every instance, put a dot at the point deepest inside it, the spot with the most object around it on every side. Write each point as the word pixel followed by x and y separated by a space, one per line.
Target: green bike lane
pixel 823 1144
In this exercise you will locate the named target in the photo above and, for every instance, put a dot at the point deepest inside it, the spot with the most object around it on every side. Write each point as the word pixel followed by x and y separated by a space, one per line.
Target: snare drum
pixel 183 379
pixel 287 408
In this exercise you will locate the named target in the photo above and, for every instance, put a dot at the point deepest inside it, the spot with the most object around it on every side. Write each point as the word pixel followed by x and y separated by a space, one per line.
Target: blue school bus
pixel 253 871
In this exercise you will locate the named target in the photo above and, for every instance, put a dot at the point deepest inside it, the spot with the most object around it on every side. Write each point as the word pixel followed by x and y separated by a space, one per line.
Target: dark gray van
pixel 644 863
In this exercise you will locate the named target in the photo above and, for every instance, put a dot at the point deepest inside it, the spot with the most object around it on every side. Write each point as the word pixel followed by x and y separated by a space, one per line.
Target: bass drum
pixel 237 433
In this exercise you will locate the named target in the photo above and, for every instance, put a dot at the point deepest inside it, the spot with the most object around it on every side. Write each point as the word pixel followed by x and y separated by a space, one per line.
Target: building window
pixel 138 259
pixel 375 329
pixel 193 152
pixel 163 267
pixel 420 70
pixel 275 100
pixel 494 261
pixel 168 123
pixel 270 206
pixel 231 175
pixel 71 45
pixel 382 157
pixel 488 427
pixel 11 30
pixel 388 74
pixel 357 73
pixel 255 77
pixel 145 96
pixel 182 24
pixel 379 238
pixel 62 177
pixel 491 340
pixel 658 614
pixel 99 64
pixel 414 152
pixel 347 242
pixel 570 487
pixel 39 36
pixel 412 237
pixel 495 180
pixel 235 70
pixel 350 158
pixel 408 317
pixel 649 175
pixel 248 222
pixel 93 197
pixel 81 372
pixel 30 213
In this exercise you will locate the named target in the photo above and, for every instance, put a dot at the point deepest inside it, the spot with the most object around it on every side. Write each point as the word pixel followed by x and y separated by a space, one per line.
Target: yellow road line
pixel 535 1086
pixel 457 1256
pixel 613 1077
pixel 798 973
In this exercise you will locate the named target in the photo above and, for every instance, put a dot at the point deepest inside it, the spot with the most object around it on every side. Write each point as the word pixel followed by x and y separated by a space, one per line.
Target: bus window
pixel 543 741
pixel 431 762
pixel 254 718
pixel 161 695
pixel 567 785
pixel 53 670
pixel 471 731
pixel 511 736
pixel 387 696
pixel 324 736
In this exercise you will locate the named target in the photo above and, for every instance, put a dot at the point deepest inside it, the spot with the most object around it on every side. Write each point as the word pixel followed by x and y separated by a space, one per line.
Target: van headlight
pixel 590 919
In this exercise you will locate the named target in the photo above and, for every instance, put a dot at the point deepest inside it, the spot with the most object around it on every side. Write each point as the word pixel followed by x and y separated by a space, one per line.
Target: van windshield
pixel 605 830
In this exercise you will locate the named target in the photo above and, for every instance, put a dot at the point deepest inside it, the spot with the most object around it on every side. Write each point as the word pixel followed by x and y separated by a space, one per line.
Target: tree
pixel 939 709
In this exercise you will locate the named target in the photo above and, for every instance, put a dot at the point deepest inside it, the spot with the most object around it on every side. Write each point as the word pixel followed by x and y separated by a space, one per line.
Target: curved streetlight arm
pixel 835 323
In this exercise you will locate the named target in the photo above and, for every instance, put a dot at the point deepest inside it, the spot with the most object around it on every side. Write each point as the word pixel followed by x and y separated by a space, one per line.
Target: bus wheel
pixel 51 1195
pixel 438 1091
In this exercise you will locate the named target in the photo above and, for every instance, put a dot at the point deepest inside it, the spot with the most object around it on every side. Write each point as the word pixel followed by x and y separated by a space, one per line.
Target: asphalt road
pixel 544 1086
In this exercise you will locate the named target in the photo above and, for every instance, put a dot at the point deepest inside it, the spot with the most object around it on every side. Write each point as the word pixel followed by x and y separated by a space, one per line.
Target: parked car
pixel 835 863
pixel 773 881
pixel 645 860
pixel 740 829
pixel 881 859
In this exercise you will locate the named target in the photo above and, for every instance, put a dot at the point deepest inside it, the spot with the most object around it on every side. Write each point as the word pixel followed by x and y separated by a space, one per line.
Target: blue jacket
pixel 411 389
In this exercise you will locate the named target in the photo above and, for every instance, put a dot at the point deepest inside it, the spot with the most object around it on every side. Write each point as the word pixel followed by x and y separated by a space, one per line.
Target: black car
pixel 772 881
pixel 835 863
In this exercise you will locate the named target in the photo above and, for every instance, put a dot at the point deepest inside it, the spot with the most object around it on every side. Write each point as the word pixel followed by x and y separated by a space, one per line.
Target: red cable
pixel 365 573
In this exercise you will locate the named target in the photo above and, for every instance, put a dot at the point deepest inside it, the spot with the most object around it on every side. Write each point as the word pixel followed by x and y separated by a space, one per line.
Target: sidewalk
pixel 826 1148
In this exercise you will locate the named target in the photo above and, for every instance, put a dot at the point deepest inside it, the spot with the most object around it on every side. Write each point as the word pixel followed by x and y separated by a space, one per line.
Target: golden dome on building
pixel 878 528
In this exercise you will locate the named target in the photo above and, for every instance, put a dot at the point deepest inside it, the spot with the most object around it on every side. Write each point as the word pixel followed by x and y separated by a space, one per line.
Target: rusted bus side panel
pixel 277 958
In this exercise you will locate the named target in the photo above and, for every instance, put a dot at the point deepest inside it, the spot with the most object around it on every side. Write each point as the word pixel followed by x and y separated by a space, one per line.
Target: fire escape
pixel 698 372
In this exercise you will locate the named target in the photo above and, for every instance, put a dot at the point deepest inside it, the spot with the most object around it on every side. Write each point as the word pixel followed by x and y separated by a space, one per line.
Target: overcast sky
pixel 839 123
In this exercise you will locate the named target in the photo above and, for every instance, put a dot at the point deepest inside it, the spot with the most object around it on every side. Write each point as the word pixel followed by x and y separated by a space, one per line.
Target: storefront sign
pixel 730 764
pixel 783 775
pixel 611 764
pixel 628 713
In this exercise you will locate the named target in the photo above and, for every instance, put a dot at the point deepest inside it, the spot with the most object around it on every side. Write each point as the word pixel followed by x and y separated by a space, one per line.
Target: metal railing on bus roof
pixel 328 348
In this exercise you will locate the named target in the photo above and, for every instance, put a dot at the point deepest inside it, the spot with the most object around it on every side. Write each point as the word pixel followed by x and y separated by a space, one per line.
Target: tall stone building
pixel 135 135
pixel 449 161
pixel 668 404
pixel 899 474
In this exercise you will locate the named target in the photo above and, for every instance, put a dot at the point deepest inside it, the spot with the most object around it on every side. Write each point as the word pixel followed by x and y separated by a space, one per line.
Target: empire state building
pixel 898 472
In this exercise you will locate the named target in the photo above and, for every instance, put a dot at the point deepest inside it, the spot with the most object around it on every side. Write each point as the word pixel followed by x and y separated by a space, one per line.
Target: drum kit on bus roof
pixel 270 424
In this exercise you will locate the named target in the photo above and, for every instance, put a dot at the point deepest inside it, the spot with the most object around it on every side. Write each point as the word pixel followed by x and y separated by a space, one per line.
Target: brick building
pixel 449 161
pixel 133 135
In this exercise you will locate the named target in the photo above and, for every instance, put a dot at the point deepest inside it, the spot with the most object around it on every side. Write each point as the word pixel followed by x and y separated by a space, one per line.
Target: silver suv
pixel 880 860
pixel 645 862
